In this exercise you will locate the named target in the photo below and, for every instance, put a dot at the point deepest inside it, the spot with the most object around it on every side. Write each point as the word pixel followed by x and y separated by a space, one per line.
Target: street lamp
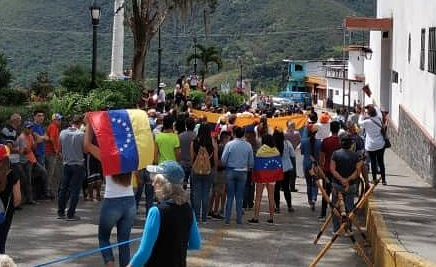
pixel 95 16
pixel 240 68
pixel 159 59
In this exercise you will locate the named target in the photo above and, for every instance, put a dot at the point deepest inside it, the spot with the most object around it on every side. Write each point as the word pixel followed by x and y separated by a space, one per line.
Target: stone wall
pixel 415 146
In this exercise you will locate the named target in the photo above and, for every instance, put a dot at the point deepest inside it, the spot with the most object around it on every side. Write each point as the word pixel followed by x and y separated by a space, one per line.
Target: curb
pixel 386 250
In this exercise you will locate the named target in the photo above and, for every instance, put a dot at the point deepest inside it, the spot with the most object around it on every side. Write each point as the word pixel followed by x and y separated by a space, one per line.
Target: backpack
pixel 201 164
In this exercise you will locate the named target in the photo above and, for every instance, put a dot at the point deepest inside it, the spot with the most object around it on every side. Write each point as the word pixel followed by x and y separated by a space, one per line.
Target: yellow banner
pixel 280 122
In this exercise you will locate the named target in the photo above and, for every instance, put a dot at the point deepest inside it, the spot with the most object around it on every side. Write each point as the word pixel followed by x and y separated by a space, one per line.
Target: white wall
pixel 355 64
pixel 416 88
pixel 337 86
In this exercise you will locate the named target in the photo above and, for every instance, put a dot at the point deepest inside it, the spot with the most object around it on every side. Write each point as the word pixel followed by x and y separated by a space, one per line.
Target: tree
pixel 5 73
pixel 144 18
pixel 77 79
pixel 206 55
pixel 42 86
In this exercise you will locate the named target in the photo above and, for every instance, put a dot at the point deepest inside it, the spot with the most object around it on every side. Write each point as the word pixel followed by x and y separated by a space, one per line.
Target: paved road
pixel 38 237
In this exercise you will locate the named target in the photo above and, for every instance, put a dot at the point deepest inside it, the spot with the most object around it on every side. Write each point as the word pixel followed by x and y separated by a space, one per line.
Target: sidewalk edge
pixel 386 250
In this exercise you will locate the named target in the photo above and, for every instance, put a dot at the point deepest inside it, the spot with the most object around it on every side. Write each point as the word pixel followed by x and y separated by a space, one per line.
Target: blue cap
pixel 56 116
pixel 28 124
pixel 170 169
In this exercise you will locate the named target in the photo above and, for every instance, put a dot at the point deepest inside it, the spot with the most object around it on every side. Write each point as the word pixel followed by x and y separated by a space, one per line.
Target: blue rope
pixel 86 253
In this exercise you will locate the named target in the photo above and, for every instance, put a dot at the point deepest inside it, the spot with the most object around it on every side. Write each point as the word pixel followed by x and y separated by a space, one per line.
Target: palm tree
pixel 206 55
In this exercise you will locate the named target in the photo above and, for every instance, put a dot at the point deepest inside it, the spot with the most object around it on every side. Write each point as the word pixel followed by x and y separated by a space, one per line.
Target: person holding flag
pixel 125 144
pixel 268 169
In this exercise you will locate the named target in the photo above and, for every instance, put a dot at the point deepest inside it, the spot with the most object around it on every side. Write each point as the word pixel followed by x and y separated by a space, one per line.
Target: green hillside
pixel 49 35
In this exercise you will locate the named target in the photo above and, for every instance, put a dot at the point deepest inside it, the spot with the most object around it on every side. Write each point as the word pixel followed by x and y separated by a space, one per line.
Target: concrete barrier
pixel 386 250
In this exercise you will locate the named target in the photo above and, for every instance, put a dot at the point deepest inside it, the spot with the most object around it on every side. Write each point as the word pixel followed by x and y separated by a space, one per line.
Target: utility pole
pixel 159 58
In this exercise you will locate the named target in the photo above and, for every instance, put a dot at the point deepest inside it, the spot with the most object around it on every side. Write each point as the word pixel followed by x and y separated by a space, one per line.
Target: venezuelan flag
pixel 267 165
pixel 124 138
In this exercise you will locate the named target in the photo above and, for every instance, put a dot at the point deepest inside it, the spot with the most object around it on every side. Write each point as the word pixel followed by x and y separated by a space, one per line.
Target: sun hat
pixel 170 169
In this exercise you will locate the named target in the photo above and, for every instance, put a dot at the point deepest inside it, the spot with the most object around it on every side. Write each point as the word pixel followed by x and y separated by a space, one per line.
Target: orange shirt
pixel 53 145
pixel 29 145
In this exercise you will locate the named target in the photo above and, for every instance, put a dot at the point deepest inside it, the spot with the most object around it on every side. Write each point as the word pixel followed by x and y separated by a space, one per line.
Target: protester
pixel 167 142
pixel 94 177
pixel 323 126
pixel 374 140
pixel 344 167
pixel 10 195
pixel 286 152
pixel 250 137
pixel 328 146
pixel 203 146
pixel 310 148
pixel 294 137
pixel 170 228
pixel 6 261
pixel 9 136
pixel 28 160
pixel 74 170
pixel 52 147
pixel 267 171
pixel 144 185
pixel 218 199
pixel 238 159
pixel 118 208
pixel 161 97
pixel 185 140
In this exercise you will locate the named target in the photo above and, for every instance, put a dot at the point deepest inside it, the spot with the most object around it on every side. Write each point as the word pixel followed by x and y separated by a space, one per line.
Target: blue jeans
pixel 70 188
pixel 119 212
pixel 348 200
pixel 235 187
pixel 202 185
pixel 312 189
pixel 145 183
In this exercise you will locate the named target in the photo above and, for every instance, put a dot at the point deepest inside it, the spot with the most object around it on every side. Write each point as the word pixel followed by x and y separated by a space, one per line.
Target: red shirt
pixel 53 145
pixel 328 146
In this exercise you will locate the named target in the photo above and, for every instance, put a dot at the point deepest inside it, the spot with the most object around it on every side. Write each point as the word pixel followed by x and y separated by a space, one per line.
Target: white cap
pixel 162 85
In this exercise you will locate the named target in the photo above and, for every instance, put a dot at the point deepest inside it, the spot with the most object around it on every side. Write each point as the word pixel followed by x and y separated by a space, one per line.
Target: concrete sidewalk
pixel 408 207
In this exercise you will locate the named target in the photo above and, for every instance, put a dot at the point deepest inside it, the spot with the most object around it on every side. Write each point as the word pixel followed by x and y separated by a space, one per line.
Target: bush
pixel 197 98
pixel 231 99
pixel 78 79
pixel 12 97
pixel 42 87
pixel 131 90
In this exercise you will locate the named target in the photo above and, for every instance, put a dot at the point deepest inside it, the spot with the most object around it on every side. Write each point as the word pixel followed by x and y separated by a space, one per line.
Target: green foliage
pixel 12 97
pixel 77 79
pixel 231 99
pixel 5 73
pixel 42 86
pixel 197 98
pixel 25 111
pixel 131 90
pixel 206 55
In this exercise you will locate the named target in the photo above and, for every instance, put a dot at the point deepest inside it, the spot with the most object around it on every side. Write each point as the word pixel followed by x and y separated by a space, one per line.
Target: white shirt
pixel 114 190
pixel 323 130
pixel 374 140
pixel 161 96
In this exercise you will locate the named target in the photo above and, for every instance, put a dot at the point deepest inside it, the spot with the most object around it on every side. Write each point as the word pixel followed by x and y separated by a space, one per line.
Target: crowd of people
pixel 219 162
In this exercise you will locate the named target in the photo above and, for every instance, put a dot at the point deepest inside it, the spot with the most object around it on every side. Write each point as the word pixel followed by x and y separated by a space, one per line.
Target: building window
pixel 298 68
pixel 409 51
pixel 337 92
pixel 422 57
pixel 394 76
pixel 432 50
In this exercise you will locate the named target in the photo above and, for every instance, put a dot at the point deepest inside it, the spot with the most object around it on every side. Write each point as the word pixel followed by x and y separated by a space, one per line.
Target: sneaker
pixel 253 220
pixel 384 183
pixel 60 217
pixel 291 209
pixel 312 206
pixel 277 210
pixel 74 218
pixel 321 218
pixel 270 221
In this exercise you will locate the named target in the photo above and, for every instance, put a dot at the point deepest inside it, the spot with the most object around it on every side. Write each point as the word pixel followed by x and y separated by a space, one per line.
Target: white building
pixel 402 76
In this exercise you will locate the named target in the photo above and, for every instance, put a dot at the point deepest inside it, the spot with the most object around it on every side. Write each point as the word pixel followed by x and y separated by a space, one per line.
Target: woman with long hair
pixel 267 171
pixel 310 149
pixel 287 152
pixel 203 181
pixel 374 140
pixel 170 228
pixel 118 208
